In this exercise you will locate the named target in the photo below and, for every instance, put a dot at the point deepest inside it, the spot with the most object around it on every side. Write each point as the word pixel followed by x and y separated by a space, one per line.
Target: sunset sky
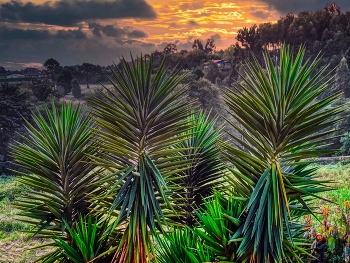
pixel 98 31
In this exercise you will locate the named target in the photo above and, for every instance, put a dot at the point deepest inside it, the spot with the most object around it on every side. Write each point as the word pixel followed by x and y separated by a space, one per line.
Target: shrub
pixel 76 89
pixel 345 141
pixel 64 79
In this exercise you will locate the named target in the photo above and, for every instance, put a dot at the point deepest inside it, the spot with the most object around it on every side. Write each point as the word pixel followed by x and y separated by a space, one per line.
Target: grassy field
pixel 14 244
pixel 85 93
pixel 340 175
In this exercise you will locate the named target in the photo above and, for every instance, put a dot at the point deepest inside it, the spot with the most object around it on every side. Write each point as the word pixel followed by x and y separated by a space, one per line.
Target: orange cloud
pixel 183 20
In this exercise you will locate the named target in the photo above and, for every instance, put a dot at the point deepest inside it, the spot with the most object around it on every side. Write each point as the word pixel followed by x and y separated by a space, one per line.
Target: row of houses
pixel 30 73
pixel 222 64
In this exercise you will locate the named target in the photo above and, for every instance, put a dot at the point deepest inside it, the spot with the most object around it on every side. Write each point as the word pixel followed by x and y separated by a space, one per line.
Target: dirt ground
pixel 16 249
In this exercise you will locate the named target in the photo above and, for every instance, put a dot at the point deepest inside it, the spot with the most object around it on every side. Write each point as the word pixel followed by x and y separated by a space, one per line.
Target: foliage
pixel 345 141
pixel 90 242
pixel 141 121
pixel 60 174
pixel 250 38
pixel 61 91
pixel 197 44
pixel 194 58
pixel 207 94
pixel 14 106
pixel 42 89
pixel 51 64
pixel 330 232
pixel 14 243
pixel 11 188
pixel 338 173
pixel 211 72
pixel 170 49
pixel 76 90
pixel 342 81
pixel 198 72
pixel 54 67
pixel 10 191
pixel 233 52
pixel 146 153
pixel 323 30
pixel 210 240
pixel 64 79
pixel 89 69
pixel 281 124
pixel 217 223
pixel 210 46
pixel 182 246
pixel 205 170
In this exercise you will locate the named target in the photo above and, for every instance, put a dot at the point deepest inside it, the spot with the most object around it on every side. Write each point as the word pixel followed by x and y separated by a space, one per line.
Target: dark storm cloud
pixel 69 47
pixel 137 34
pixel 70 12
pixel 260 14
pixel 115 31
pixel 191 6
pixel 71 52
pixel 9 34
pixel 216 36
pixel 295 6
pixel 192 23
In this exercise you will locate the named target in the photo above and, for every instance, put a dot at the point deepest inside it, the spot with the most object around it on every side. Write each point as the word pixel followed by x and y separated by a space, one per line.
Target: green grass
pixel 10 190
pixel 340 175
pixel 14 244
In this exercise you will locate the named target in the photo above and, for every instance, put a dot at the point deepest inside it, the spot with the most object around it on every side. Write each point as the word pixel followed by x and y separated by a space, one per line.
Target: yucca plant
pixel 180 245
pixel 205 170
pixel 56 158
pixel 283 125
pixel 142 117
pixel 218 221
pixel 209 241
pixel 91 241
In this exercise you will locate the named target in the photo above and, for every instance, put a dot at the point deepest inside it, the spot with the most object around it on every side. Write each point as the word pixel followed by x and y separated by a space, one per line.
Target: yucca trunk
pixel 136 235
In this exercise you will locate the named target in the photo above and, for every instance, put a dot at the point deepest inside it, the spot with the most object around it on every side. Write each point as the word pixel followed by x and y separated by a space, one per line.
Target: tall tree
pixel 52 65
pixel 89 69
pixel 250 38
pixel 342 79
pixel 76 90
pixel 197 44
pixel 42 89
pixel 332 9
pixel 210 46
pixel 170 49
pixel 64 79
pixel 14 105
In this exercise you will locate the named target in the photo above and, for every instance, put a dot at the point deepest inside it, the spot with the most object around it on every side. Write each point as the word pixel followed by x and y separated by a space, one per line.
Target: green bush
pixel 345 141
pixel 11 188
pixel 76 89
